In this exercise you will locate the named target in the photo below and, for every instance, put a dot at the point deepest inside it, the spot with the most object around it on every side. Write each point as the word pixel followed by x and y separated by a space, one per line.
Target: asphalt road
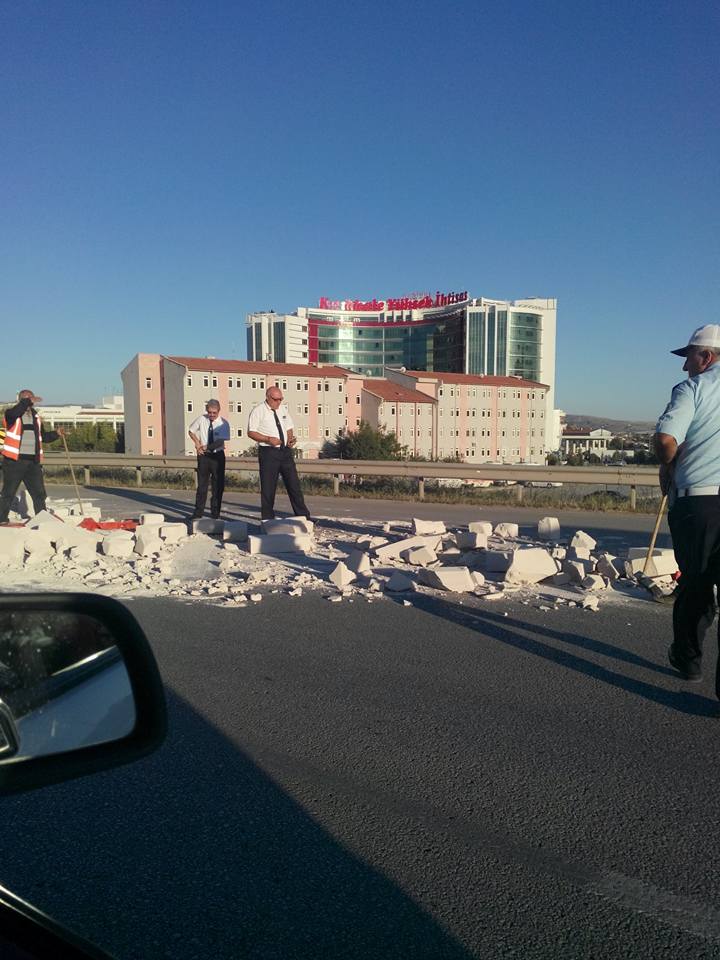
pixel 436 781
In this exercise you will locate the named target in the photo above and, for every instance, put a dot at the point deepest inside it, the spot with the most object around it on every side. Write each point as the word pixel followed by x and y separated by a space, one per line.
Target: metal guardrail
pixel 624 476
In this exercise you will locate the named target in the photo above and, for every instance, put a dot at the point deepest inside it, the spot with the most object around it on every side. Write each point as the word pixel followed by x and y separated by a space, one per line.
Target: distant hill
pixel 614 426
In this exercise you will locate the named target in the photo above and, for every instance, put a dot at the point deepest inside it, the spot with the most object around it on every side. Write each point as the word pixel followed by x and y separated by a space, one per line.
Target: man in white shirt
pixel 209 434
pixel 271 427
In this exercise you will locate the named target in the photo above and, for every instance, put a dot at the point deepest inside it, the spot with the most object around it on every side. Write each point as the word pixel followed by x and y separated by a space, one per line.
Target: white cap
pixel 707 336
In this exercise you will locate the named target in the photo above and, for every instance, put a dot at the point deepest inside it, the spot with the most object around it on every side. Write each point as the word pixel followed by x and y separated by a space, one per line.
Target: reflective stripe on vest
pixel 13 438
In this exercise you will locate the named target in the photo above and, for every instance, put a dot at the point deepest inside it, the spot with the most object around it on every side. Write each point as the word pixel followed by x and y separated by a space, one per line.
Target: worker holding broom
pixel 687 444
pixel 22 453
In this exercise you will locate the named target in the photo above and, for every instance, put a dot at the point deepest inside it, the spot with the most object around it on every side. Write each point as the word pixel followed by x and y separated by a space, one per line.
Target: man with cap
pixel 271 427
pixel 687 444
pixel 209 433
pixel 22 453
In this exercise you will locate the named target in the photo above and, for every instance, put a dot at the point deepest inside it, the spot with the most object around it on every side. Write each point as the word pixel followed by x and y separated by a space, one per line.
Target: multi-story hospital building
pixel 438 333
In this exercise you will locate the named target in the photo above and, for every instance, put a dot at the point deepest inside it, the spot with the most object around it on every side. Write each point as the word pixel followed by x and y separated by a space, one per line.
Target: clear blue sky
pixel 167 167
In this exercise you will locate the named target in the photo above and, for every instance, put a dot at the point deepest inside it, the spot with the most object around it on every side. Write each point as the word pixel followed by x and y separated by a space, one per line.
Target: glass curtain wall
pixel 524 345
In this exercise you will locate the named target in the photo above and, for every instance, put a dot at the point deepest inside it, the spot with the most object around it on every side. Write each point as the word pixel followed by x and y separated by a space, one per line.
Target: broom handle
pixel 77 491
pixel 653 538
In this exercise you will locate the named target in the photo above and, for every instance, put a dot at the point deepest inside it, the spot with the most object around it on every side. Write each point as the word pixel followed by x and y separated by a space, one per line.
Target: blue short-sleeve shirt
pixel 693 418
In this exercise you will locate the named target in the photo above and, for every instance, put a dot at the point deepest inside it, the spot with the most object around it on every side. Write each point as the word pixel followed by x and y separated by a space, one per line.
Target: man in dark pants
pixel 687 443
pixel 209 433
pixel 271 427
pixel 22 453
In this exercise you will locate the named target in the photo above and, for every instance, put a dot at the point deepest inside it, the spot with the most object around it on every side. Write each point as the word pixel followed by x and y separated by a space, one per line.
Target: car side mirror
pixel 80 689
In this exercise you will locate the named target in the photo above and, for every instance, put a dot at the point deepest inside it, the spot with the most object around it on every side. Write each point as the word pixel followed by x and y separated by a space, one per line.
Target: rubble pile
pixel 235 563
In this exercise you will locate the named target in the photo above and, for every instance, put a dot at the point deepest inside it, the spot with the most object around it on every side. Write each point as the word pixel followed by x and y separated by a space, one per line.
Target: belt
pixel 698 491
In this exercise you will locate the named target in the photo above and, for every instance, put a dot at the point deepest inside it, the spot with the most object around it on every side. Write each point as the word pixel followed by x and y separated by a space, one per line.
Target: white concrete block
pixel 36 542
pixel 44 517
pixel 359 562
pixel 593 581
pixel 575 569
pixel 606 567
pixel 419 556
pixel 582 539
pixel 277 543
pixel 478 578
pixel 531 565
pixel 470 540
pixel 561 579
pixel 340 575
pixel 659 566
pixel 393 550
pixel 508 531
pixel 147 540
pixel 117 548
pixel 424 528
pixel 497 561
pixel 481 526
pixel 591 603
pixel 549 528
pixel 578 553
pixel 558 553
pixel 207 525
pixel 662 562
pixel 372 543
pixel 398 583
pixel 291 526
pixel 235 531
pixel 152 519
pixel 453 579
pixel 172 532
pixel 83 554
pixel 118 534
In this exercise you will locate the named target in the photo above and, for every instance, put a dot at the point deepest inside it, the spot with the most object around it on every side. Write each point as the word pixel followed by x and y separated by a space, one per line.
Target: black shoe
pixel 691 677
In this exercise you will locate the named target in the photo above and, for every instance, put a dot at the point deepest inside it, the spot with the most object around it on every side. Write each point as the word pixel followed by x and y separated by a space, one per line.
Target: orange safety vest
pixel 13 438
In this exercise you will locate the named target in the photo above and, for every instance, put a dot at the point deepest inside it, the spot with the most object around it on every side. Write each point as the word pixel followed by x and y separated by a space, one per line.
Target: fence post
pixel 336 484
pixel 421 488
pixel 633 497
pixel 86 481
pixel 138 476
pixel 519 492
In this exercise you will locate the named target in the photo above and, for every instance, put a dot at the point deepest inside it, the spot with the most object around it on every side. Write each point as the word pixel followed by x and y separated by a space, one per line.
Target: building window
pixel 327 386
pixel 392 411
pixel 327 432
pixel 189 406
pixel 306 408
pixel 253 384
pixel 299 408
pixel 357 421
pixel 231 407
pixel 262 384
pixel 148 407
pixel 230 382
pixel 150 432
pixel 298 386
pixel 148 383
pixel 238 384
pixel 319 408
pixel 305 384
pixel 340 410
pixel 238 407
pixel 206 381
pixel 440 392
pixel 214 381
pixel 189 381
pixel 239 431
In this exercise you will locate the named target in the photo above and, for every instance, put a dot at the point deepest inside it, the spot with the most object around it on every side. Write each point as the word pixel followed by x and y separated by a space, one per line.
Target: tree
pixel 93 436
pixel 366 443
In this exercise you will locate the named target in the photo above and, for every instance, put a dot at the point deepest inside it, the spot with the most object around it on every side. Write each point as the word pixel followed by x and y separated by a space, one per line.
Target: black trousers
pixel 274 462
pixel 14 473
pixel 210 471
pixel 695 527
